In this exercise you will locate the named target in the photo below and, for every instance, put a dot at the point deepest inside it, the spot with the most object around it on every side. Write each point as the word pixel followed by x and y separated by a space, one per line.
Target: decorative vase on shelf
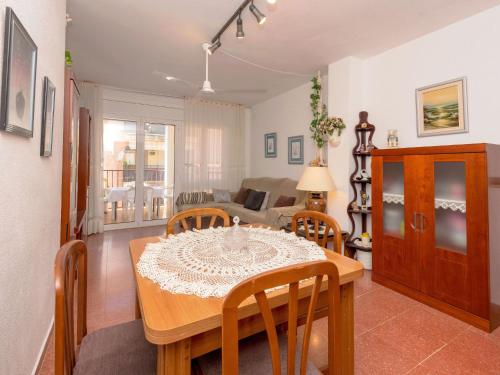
pixel 321 156
pixel 334 140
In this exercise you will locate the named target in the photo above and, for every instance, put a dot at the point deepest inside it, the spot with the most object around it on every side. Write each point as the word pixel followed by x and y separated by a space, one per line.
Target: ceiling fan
pixel 206 87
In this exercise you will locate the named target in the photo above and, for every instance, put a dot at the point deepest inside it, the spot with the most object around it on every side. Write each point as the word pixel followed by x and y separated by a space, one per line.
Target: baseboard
pixel 43 350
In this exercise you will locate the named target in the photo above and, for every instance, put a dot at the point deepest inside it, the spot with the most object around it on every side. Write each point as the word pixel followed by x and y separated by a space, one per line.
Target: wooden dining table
pixel 187 326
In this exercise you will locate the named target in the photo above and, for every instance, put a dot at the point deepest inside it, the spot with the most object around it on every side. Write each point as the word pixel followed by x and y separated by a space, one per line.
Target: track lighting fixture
pixel 240 34
pixel 259 16
pixel 214 46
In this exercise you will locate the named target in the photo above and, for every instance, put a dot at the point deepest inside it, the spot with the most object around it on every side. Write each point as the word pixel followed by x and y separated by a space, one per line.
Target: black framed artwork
pixel 296 150
pixel 270 145
pixel 18 78
pixel 48 109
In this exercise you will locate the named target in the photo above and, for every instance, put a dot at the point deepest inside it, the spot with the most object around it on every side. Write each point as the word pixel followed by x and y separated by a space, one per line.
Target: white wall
pixel 467 48
pixel 288 114
pixel 384 85
pixel 30 195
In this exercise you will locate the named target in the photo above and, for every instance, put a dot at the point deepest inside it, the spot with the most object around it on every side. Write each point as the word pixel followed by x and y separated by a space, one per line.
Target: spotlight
pixel 240 34
pixel 215 45
pixel 259 16
pixel 271 1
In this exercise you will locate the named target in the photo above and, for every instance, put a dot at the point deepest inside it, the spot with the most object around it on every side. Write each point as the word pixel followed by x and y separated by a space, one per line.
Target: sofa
pixel 273 216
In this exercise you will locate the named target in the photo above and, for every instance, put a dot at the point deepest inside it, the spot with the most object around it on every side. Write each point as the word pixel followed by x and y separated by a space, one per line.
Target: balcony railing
pixel 117 177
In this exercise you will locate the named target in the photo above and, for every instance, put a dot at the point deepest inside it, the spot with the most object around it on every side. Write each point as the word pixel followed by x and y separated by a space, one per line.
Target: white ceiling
pixel 121 42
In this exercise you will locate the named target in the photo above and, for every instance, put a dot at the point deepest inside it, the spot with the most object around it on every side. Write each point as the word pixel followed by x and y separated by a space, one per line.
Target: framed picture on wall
pixel 271 145
pixel 19 78
pixel 442 108
pixel 296 150
pixel 48 109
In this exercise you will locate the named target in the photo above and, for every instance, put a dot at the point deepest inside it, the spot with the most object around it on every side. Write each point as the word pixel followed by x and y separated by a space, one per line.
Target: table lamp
pixel 316 180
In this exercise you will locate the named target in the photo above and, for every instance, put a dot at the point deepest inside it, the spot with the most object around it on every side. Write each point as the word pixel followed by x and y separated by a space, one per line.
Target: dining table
pixel 185 326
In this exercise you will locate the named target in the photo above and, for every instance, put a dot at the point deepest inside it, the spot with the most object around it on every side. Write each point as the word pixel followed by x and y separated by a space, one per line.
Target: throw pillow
pixel 221 196
pixel 242 196
pixel 254 200
pixel 284 201
pixel 191 198
pixel 266 200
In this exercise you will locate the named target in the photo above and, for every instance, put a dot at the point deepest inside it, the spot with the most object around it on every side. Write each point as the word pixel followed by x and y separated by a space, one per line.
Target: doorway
pixel 137 173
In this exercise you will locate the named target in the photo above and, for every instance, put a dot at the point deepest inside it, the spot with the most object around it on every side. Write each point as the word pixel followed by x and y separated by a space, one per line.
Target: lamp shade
pixel 316 179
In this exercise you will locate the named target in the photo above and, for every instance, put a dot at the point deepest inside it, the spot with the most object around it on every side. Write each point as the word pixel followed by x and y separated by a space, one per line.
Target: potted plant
pixel 323 127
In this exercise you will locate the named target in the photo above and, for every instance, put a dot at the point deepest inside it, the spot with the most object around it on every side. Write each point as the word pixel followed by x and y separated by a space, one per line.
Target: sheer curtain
pixel 214 139
pixel 91 98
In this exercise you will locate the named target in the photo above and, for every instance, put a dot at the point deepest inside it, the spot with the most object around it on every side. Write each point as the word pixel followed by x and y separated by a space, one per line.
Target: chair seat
pixel 254 358
pixel 117 350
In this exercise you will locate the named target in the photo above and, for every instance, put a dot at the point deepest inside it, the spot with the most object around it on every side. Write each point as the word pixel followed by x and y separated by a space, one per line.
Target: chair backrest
pixel 316 219
pixel 256 286
pixel 197 214
pixel 70 266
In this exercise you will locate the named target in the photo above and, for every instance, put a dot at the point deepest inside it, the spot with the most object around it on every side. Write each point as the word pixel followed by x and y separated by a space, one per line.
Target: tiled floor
pixel 393 334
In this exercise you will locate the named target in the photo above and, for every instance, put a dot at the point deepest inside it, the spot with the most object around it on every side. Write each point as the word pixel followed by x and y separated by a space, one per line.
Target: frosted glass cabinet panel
pixel 393 197
pixel 450 208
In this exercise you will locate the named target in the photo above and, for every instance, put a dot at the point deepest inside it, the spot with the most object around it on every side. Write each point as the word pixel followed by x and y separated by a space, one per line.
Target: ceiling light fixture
pixel 214 46
pixel 240 34
pixel 259 16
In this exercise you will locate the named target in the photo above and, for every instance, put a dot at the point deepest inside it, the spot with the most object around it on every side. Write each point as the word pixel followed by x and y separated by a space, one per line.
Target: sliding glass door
pixel 138 173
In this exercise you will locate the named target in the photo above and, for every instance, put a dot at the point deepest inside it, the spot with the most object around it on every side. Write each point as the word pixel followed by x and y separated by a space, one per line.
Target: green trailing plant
pixel 322 127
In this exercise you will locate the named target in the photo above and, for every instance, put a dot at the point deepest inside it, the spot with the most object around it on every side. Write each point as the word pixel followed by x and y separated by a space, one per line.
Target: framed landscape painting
pixel 270 144
pixel 296 150
pixel 19 78
pixel 48 109
pixel 442 108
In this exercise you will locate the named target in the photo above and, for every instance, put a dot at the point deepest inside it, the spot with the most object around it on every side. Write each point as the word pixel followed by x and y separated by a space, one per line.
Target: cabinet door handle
pixel 422 221
pixel 413 223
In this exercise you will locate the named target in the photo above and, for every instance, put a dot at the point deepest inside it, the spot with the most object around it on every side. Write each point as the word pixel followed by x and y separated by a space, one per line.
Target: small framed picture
pixel 19 78
pixel 271 145
pixel 442 108
pixel 296 150
pixel 48 109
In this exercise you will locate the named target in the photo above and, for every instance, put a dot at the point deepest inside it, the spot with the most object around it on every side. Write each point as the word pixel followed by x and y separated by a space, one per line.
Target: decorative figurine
pixel 365 239
pixel 392 138
pixel 364 200
pixel 364 174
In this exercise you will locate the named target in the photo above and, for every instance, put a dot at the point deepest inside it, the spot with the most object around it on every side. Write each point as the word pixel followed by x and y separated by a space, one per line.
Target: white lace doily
pixel 197 263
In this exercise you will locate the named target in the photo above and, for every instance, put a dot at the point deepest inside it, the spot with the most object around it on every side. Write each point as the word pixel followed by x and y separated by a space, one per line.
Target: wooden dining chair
pixel 197 214
pixel 316 219
pixel 120 349
pixel 251 356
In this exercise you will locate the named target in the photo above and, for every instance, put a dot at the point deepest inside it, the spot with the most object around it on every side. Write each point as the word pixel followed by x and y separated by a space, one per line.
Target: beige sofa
pixel 274 216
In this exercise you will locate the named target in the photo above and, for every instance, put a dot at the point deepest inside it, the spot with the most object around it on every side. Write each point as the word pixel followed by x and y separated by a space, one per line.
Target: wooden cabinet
pixel 69 157
pixel 435 226
pixel 75 162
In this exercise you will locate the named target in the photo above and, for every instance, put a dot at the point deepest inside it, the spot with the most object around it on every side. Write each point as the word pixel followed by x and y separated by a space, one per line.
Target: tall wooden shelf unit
pixel 361 152
pixel 436 227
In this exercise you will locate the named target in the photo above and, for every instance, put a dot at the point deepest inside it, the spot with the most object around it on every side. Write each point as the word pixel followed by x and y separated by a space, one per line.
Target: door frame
pixel 140 121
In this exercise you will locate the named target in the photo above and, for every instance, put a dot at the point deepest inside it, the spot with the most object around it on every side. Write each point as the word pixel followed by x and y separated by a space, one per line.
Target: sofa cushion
pixel 221 196
pixel 120 349
pixel 254 200
pixel 192 198
pixel 277 187
pixel 285 201
pixel 266 201
pixel 242 195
